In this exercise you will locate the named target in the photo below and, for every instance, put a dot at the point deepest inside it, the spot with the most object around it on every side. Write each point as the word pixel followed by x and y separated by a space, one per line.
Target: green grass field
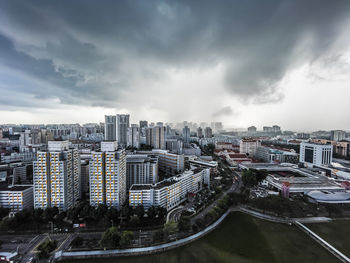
pixel 336 232
pixel 241 238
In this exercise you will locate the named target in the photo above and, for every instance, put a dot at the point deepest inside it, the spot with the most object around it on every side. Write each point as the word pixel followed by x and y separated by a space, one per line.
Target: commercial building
pixel 110 128
pixel 272 154
pixel 141 169
pixel 108 176
pixel 56 176
pixel 134 136
pixel 171 192
pixel 16 197
pixel 249 146
pixel 316 153
pixel 293 179
pixel 122 129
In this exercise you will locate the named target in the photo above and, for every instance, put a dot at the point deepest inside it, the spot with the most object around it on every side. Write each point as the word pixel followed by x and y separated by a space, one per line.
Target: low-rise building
pixel 271 154
pixel 16 197
pixel 170 192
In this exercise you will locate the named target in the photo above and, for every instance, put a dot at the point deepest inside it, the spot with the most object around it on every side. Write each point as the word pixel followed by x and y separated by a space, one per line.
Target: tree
pixel 152 212
pixel 249 178
pixel 46 247
pixel 140 211
pixel 184 224
pixel 170 228
pixel 126 238
pixel 158 236
pixel 110 238
pixel 161 212
pixel 134 221
pixel 261 174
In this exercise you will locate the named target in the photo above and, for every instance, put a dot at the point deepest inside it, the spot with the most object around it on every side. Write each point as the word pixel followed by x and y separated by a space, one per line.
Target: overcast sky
pixel 243 63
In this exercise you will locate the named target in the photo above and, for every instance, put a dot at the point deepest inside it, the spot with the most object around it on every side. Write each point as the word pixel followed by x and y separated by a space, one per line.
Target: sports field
pixel 241 238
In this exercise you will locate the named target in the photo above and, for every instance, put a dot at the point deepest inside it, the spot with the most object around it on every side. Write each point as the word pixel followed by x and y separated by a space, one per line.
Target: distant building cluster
pixel 117 163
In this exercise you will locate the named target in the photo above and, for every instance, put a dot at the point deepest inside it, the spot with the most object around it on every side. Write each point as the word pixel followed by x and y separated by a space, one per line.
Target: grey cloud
pixel 92 52
pixel 224 111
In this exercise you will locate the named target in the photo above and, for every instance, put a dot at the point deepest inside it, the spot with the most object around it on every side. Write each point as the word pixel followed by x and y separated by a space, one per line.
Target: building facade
pixel 16 197
pixel 134 136
pixel 316 153
pixel 141 169
pixel 108 176
pixel 249 146
pixel 110 128
pixel 56 176
pixel 171 192
pixel 122 129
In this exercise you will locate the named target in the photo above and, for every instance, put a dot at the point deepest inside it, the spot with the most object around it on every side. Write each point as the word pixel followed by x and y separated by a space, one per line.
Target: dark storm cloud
pixel 93 51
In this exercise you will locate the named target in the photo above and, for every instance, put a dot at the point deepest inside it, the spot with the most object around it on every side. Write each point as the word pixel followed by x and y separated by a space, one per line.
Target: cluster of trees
pixel 112 238
pixel 283 206
pixel 252 177
pixel 46 248
pixel 102 216
pixel 33 219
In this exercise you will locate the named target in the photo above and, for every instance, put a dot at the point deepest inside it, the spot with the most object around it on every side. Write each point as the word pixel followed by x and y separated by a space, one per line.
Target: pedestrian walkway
pixel 141 250
pixel 323 243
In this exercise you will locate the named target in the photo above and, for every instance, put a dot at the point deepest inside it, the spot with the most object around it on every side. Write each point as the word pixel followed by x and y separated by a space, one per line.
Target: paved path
pixel 143 250
pixel 323 243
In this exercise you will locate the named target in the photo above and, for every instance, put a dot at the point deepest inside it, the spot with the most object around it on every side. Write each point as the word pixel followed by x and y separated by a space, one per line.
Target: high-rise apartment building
pixel 186 135
pixel 208 133
pixel 108 176
pixel 155 137
pixel 56 176
pixel 252 129
pixel 200 132
pixel 249 146
pixel 143 126
pixel 110 128
pixel 337 135
pixel 134 136
pixel 141 169
pixel 122 129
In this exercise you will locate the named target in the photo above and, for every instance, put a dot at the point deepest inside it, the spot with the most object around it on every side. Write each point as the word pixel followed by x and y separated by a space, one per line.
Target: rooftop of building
pixel 141 187
pixel 14 188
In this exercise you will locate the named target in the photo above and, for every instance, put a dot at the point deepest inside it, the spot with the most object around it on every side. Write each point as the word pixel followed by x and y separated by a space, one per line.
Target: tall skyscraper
pixel 134 136
pixel 108 176
pixel 122 129
pixel 56 176
pixel 110 128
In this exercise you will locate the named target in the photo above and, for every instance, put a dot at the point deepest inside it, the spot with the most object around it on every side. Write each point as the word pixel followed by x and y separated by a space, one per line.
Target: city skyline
pixel 242 63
